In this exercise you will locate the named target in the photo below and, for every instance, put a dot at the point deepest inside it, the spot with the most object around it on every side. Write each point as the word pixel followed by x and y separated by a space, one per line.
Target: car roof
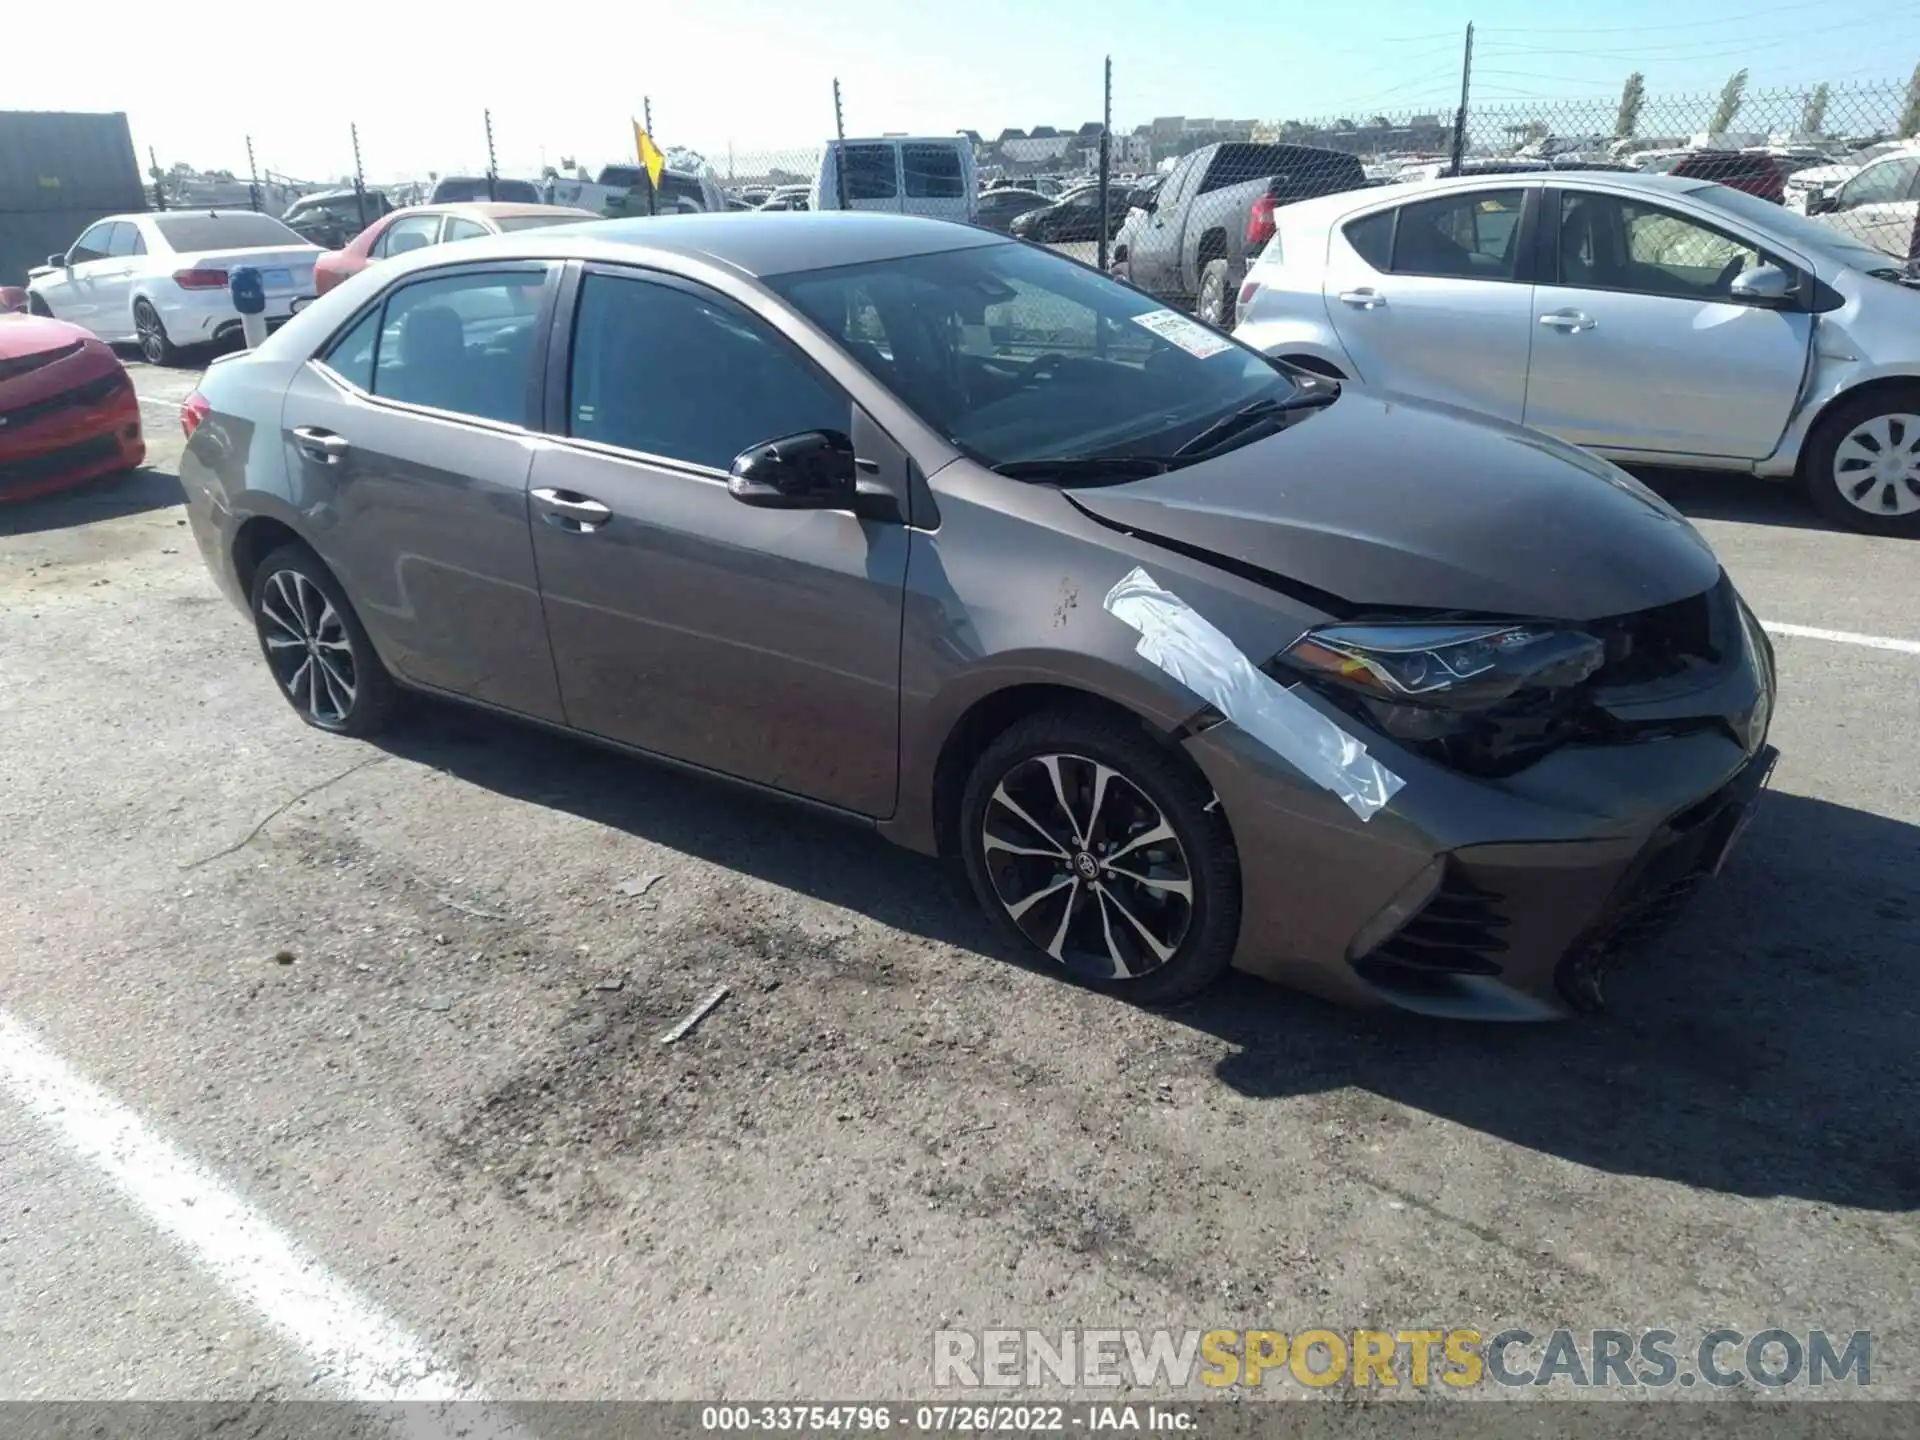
pixel 1324 208
pixel 751 243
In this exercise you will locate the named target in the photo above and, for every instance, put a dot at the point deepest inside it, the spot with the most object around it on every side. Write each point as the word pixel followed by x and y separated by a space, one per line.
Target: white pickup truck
pixel 622 190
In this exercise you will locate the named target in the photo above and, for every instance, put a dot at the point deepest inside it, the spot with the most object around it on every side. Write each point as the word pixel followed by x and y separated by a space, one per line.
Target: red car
pixel 422 225
pixel 1748 170
pixel 68 413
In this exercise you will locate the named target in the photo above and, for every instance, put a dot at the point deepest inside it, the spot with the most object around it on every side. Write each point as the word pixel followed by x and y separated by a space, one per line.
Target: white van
pixel 908 176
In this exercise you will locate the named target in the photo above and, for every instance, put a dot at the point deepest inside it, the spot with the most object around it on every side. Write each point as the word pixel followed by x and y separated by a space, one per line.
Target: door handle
pixel 568 510
pixel 1571 321
pixel 322 445
pixel 1365 298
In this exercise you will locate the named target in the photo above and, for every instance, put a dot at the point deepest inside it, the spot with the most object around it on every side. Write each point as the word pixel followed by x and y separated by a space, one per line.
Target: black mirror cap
pixel 58 262
pixel 813 470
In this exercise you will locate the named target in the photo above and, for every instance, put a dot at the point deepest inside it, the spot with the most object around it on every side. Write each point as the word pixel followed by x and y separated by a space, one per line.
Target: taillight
pixel 193 410
pixel 200 279
pixel 1260 221
pixel 1247 291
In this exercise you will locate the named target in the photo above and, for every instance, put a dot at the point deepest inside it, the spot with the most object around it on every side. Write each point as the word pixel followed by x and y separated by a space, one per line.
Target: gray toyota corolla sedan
pixel 1189 658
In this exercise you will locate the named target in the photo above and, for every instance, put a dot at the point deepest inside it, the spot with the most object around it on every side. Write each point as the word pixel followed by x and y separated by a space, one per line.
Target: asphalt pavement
pixel 332 1067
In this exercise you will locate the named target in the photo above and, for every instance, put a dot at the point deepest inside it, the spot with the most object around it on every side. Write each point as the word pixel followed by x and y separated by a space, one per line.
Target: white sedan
pixel 1653 320
pixel 161 279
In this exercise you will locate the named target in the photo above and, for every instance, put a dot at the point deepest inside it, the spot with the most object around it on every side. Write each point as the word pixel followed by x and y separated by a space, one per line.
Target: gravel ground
pixel 405 997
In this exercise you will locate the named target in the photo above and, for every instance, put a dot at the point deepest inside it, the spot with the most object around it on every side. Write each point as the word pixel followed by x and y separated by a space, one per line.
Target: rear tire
pixel 1217 300
pixel 316 648
pixel 1861 468
pixel 155 347
pixel 1084 887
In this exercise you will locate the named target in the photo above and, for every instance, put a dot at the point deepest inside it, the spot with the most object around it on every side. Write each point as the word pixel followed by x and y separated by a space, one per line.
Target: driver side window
pixel 1607 243
pixel 93 245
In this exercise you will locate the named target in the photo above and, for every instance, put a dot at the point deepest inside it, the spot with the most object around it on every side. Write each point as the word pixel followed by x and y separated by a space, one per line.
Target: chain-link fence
pixel 1178 205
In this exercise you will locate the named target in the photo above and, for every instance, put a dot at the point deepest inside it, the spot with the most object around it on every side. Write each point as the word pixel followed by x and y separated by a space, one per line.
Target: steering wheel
pixel 1052 363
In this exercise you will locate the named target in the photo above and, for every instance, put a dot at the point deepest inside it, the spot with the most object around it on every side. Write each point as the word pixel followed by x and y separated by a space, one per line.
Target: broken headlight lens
pixel 1487 698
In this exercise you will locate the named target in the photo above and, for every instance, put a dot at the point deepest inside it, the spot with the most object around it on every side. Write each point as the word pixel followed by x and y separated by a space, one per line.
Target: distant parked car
pixel 161 279
pixel 787 197
pixel 1814 182
pixel 68 413
pixel 453 189
pixel 1000 208
pixel 1075 217
pixel 1752 171
pixel 333 217
pixel 932 176
pixel 1880 205
pixel 1206 224
pixel 1652 319
pixel 424 225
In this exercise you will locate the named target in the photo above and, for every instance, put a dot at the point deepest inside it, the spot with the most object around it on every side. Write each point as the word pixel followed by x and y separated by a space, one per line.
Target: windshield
pixel 1014 354
pixel 221 230
pixel 1801 230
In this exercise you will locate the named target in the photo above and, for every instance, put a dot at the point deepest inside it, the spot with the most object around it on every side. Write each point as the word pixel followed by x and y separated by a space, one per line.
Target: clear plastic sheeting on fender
pixel 1179 640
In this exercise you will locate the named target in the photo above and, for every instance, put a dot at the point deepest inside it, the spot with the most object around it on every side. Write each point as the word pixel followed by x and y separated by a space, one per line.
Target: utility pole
pixel 1460 115
pixel 159 195
pixel 492 168
pixel 840 155
pixel 1106 167
pixel 253 178
pixel 646 121
pixel 359 177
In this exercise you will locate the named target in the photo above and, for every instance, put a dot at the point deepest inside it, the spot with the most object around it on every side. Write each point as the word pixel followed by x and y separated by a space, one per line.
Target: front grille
pixel 92 393
pixel 55 463
pixel 1687 637
pixel 1457 932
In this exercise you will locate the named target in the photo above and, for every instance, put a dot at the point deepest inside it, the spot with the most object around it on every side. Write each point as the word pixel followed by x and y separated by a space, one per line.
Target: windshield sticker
pixel 1190 335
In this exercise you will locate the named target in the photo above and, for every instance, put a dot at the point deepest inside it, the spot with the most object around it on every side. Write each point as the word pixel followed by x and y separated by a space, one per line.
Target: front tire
pixel 1094 851
pixel 155 347
pixel 37 304
pixel 1216 302
pixel 1861 468
pixel 315 646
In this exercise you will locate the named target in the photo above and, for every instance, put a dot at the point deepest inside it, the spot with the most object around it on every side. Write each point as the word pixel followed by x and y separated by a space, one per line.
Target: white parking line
pixel 364 1354
pixel 1843 637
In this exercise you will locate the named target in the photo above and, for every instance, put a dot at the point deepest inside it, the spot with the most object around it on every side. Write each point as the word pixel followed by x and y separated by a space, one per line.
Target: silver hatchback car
pixel 1653 320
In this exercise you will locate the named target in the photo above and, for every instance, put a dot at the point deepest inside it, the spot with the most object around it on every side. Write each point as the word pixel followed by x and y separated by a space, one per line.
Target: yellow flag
pixel 650 155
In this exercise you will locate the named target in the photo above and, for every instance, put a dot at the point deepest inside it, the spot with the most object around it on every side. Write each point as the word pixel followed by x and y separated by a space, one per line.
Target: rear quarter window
pixel 1371 237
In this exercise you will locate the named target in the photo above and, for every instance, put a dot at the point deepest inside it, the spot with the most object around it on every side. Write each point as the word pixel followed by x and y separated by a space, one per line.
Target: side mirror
pixel 813 470
pixel 1763 285
pixel 1822 204
pixel 58 262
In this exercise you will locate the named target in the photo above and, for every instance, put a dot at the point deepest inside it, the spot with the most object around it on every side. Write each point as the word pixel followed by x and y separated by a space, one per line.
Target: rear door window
pixel 461 343
pixel 933 172
pixel 870 172
pixel 1474 236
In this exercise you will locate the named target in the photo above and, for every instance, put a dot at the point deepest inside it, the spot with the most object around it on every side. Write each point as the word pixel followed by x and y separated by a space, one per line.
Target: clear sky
pixel 562 77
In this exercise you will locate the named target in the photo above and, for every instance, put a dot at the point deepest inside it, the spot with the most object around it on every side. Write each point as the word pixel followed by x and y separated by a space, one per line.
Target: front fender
pixel 1838 371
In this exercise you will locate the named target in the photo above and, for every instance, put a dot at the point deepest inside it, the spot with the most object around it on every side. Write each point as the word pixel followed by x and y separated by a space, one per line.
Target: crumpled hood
pixel 1392 503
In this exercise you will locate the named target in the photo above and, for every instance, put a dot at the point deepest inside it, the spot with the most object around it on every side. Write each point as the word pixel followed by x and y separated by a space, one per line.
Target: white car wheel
pixel 1876 466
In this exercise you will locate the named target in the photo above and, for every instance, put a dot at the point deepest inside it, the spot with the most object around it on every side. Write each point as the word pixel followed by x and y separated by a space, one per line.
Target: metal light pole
pixel 253 177
pixel 159 195
pixel 646 120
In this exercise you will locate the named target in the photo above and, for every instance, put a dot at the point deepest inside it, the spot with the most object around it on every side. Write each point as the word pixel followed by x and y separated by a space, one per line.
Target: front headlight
pixel 1453 667
pixel 1487 698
